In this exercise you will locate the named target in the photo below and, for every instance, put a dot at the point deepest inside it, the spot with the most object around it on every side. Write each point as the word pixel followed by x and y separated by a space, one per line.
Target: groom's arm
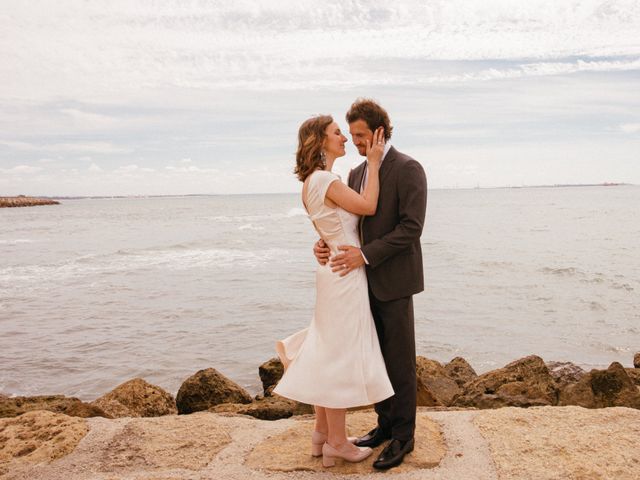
pixel 412 205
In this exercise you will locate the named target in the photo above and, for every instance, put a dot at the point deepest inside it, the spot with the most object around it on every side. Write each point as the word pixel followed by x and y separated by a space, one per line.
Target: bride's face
pixel 334 143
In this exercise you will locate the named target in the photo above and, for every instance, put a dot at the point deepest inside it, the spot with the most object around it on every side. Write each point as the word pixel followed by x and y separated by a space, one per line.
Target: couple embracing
pixel 360 346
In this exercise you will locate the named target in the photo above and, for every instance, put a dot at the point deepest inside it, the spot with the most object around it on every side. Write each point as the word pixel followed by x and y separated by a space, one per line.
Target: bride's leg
pixel 338 446
pixel 322 425
pixel 337 428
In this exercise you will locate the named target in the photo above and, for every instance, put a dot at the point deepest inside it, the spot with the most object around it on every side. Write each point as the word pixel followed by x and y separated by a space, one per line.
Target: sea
pixel 94 292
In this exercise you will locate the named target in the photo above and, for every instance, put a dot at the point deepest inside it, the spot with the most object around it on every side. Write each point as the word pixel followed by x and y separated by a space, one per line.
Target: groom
pixel 391 252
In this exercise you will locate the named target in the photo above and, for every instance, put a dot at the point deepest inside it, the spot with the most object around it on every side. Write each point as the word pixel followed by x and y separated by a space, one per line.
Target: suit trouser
pixel 396 333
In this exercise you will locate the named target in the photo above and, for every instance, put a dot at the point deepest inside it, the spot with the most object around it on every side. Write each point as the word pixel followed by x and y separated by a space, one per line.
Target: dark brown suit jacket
pixel 391 237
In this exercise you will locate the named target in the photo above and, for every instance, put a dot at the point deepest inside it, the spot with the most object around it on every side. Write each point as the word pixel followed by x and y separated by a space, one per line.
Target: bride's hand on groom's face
pixel 321 251
pixel 350 259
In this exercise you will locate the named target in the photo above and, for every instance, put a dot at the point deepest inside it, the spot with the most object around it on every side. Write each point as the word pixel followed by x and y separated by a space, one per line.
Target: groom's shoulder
pixel 404 159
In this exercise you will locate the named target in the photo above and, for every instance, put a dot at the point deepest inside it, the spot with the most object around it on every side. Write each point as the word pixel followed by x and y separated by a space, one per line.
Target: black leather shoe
pixel 393 454
pixel 372 439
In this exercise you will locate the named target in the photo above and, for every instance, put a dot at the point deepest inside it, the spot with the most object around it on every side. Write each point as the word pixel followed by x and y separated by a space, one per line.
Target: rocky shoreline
pixel 213 429
pixel 527 382
pixel 24 201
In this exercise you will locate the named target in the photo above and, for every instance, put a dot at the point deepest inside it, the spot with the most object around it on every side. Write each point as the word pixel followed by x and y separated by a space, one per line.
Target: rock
pixel 634 375
pixel 565 373
pixel 523 383
pixel 460 371
pixel 38 437
pixel 14 406
pixel 602 388
pixel 270 373
pixel 636 360
pixel 288 451
pixel 137 398
pixel 22 201
pixel 207 388
pixel 435 388
pixel 266 408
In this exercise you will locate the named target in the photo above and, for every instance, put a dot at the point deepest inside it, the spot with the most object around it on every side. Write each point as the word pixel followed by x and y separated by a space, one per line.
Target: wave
pixel 250 226
pixel 563 272
pixel 15 241
pixel 622 286
pixel 129 261
pixel 297 212
pixel 291 213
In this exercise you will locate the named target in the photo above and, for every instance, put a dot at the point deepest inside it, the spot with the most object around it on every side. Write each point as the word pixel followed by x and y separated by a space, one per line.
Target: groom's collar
pixel 387 147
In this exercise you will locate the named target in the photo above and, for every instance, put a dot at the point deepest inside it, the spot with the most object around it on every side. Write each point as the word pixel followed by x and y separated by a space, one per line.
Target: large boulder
pixel 565 373
pixel 634 375
pixel 74 407
pixel 270 373
pixel 272 407
pixel 207 388
pixel 137 398
pixel 460 371
pixel 434 386
pixel 636 360
pixel 602 388
pixel 523 383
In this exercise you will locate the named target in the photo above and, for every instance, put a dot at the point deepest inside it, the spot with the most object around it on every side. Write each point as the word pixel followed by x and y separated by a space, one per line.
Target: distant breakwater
pixel 23 201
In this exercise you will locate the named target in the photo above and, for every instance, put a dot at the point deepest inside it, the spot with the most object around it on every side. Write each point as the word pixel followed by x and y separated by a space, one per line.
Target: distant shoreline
pixel 52 198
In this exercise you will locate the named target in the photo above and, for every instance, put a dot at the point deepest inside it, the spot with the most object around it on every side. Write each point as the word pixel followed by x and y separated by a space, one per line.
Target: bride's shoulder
pixel 322 176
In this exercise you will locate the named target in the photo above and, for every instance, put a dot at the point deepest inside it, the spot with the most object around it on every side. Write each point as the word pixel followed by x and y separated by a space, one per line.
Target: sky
pixel 205 97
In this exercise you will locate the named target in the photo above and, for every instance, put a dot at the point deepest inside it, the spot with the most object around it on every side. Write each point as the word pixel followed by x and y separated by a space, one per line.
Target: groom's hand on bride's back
pixel 321 251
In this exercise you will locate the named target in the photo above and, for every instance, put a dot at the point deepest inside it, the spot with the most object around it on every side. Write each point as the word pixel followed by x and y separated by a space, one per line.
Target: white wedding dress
pixel 335 362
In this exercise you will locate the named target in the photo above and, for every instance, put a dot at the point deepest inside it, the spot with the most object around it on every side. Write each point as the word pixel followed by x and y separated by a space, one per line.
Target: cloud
pixel 133 169
pixel 190 169
pixel 630 127
pixel 21 169
pixel 178 46
pixel 78 147
pixel 95 168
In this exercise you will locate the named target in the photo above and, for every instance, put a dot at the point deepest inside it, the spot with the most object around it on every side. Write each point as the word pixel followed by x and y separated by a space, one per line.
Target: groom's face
pixel 360 133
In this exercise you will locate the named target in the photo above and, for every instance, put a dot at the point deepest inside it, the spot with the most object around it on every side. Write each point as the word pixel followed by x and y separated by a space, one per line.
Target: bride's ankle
pixel 341 444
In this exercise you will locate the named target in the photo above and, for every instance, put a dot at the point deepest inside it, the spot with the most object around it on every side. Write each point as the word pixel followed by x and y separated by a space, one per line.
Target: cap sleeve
pixel 321 181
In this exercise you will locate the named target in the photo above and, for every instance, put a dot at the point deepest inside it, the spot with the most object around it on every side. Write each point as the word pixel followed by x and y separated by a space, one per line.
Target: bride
pixel 336 362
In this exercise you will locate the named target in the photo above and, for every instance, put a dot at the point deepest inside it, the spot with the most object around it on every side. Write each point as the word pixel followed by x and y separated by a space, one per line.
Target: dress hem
pixel 335 405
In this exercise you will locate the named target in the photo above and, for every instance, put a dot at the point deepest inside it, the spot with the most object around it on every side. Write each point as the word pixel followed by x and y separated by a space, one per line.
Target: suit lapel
pixel 356 177
pixel 387 164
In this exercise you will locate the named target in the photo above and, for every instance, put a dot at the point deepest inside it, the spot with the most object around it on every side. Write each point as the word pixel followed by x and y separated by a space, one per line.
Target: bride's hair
pixel 311 135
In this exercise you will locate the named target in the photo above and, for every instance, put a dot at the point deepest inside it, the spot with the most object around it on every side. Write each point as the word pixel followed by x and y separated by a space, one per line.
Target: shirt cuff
pixel 364 258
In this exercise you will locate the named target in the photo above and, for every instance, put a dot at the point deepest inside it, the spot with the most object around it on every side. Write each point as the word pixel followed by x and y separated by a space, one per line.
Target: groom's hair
pixel 373 114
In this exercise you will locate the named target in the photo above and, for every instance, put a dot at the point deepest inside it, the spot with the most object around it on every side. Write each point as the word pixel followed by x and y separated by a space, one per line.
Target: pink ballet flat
pixel 329 455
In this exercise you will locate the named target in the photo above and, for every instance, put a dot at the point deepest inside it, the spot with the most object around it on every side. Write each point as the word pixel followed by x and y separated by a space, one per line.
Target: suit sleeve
pixel 412 205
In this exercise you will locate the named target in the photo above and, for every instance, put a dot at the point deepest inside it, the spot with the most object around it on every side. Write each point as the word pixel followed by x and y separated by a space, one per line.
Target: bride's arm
pixel 366 202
